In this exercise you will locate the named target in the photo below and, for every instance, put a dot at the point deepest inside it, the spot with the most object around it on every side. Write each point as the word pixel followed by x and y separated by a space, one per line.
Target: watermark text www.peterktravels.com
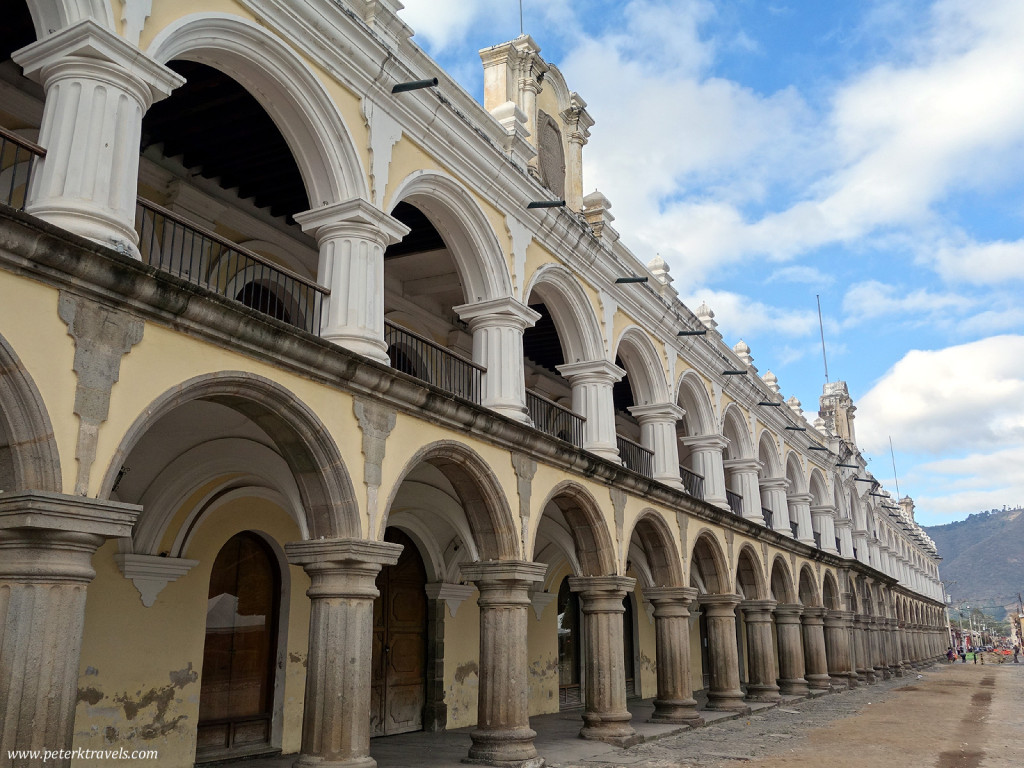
pixel 80 753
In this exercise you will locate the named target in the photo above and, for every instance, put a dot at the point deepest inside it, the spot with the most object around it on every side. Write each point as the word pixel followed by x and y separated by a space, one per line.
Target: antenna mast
pixel 895 476
pixel 821 326
pixel 521 18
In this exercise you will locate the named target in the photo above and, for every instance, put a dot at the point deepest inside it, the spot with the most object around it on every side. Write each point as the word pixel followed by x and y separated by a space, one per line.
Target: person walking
pixel 1016 650
pixel 963 655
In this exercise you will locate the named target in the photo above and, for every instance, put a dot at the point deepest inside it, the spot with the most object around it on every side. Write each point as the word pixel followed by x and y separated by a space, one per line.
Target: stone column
pixel 592 384
pixel 860 544
pixel 336 714
pixel 880 661
pixel 658 434
pixel 98 87
pixel 905 641
pixel 47 541
pixel 837 647
pixel 744 473
pixel 503 735
pixel 578 123
pixel 724 691
pixel 856 664
pixel 895 659
pixel 707 461
pixel 791 650
pixel 497 326
pixel 825 518
pixel 760 650
pixel 352 236
pixel 606 717
pixel 675 702
pixel 865 666
pixel 815 660
pixel 773 490
pixel 800 511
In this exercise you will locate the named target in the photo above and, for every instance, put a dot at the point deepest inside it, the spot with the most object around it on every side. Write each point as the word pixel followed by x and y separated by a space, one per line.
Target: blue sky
pixel 868 152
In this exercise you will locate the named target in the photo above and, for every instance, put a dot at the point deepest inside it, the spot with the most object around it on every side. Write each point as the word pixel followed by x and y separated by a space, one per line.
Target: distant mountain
pixel 984 555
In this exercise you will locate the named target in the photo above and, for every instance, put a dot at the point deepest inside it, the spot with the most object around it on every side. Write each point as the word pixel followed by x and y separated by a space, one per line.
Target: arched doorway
pixel 570 689
pixel 240 652
pixel 399 680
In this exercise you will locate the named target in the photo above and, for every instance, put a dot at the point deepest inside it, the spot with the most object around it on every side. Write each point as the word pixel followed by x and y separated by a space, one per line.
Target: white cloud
pixel 949 401
pixel 979 263
pixel 739 315
pixel 801 274
pixel 439 24
pixel 973 483
pixel 872 299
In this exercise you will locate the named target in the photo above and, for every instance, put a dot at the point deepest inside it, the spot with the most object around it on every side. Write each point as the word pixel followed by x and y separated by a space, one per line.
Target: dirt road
pixel 954 716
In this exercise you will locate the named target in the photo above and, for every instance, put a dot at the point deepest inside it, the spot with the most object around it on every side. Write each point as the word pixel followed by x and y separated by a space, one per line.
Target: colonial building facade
pixel 321 417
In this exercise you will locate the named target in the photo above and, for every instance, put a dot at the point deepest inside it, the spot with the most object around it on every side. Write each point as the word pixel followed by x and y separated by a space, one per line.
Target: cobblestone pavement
pixel 948 716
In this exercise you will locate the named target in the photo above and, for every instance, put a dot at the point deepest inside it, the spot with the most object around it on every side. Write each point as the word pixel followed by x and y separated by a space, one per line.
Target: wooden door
pixel 570 693
pixel 399 643
pixel 237 689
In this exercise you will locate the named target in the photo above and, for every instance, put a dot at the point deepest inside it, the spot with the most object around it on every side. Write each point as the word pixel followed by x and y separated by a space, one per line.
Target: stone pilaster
pixel 791 650
pixel 724 688
pixel 606 717
pixel 773 491
pixel 707 461
pixel 352 236
pixel 503 735
pixel 336 715
pixel 658 434
pixel 47 541
pixel 675 702
pixel 837 647
pixel 497 328
pixel 745 481
pixel 98 87
pixel 578 123
pixel 815 660
pixel 592 384
pixel 761 684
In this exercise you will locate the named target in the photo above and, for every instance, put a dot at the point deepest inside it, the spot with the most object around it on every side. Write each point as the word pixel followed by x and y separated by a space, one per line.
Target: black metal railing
pixel 817 539
pixel 839 546
pixel 430 362
pixel 555 420
pixel 18 157
pixel 692 482
pixel 635 456
pixel 795 529
pixel 735 502
pixel 175 245
pixel 768 516
pixel 854 553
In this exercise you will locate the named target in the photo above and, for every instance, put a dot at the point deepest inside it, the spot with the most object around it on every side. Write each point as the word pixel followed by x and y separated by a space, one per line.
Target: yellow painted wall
pixel 462 663
pixel 542 645
pixel 646 647
pixel 140 670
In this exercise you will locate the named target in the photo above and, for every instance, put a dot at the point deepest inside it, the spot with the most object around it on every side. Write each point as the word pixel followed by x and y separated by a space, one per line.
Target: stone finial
pixel 742 350
pixel 771 381
pixel 819 424
pixel 597 212
pixel 796 406
pixel 517 134
pixel 706 316
pixel 659 268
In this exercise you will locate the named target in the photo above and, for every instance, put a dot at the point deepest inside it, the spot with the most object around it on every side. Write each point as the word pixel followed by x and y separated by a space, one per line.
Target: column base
pixel 763 693
pixel 375 349
pixel 682 712
pixel 794 687
pixel 512 747
pixel 612 729
pixel 869 676
pixel 840 682
pixel 852 681
pixel 315 761
pixel 727 702
pixel 819 682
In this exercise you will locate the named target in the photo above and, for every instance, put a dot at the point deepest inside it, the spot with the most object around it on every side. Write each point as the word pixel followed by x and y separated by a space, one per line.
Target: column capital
pixel 748 464
pixel 774 483
pixel 657 412
pixel 813 612
pixel 799 498
pixel 596 585
pixel 719 605
pixel 503 571
pixel 839 617
pixel 504 311
pixel 789 613
pixel 705 442
pixel 822 509
pixel 42 510
pixel 355 217
pixel 684 595
pixel 342 567
pixel 598 371
pixel 758 610
pixel 87 42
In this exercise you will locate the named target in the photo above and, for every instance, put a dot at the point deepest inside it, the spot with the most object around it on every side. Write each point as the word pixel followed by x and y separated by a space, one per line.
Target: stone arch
pixel 692 395
pixel 659 547
pixel 818 488
pixel 488 514
pixel 808 589
pixel 643 366
pixel 465 229
pixel 830 595
pixel 591 539
pixel 579 330
pixel 781 582
pixel 303 441
pixel 709 571
pixel 768 455
pixel 795 474
pixel 750 575
pixel 736 431
pixel 49 16
pixel 285 87
pixel 857 511
pixel 26 426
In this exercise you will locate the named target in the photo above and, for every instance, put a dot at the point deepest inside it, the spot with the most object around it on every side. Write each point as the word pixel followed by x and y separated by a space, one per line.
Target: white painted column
pixel 352 236
pixel 800 511
pixel 747 485
pixel 844 529
pixel 773 490
pixel 592 384
pixel 497 326
pixel 860 543
pixel 825 519
pixel 98 87
pixel 658 434
pixel 707 461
